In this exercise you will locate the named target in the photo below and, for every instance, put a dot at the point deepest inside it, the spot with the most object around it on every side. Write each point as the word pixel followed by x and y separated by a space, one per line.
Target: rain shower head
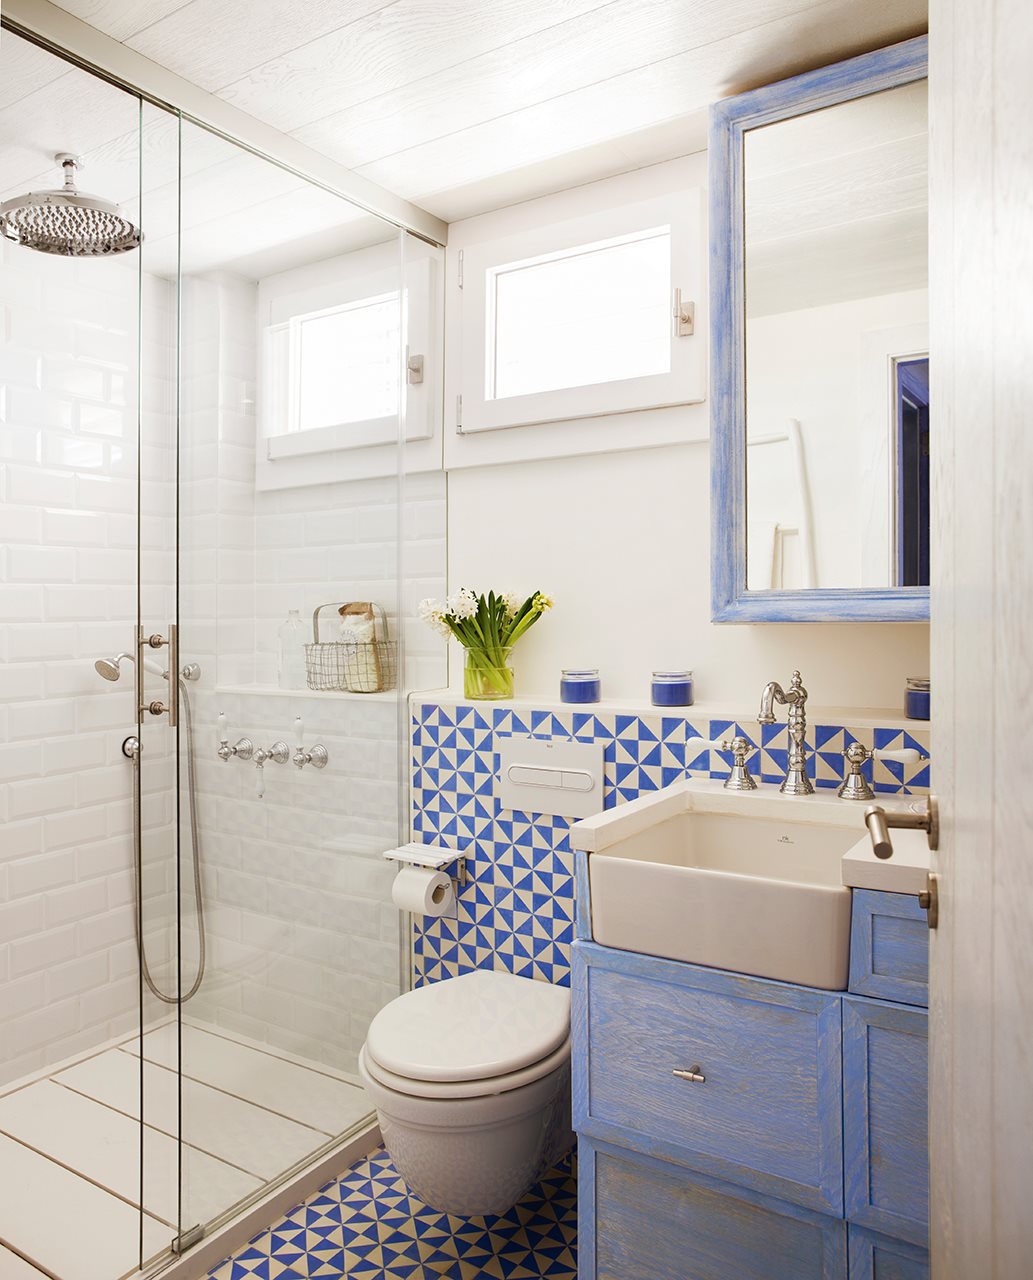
pixel 68 222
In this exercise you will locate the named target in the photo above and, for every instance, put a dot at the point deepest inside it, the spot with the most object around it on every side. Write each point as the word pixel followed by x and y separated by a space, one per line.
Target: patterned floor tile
pixel 367 1225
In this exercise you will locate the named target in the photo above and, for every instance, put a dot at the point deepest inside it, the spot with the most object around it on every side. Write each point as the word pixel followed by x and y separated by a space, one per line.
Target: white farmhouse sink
pixel 747 882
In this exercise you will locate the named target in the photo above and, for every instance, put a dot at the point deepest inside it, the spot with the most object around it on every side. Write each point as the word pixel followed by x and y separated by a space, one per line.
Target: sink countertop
pixel 599 832
pixel 906 872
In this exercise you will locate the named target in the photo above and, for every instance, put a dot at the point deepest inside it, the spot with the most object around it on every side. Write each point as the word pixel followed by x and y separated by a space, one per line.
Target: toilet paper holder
pixel 432 856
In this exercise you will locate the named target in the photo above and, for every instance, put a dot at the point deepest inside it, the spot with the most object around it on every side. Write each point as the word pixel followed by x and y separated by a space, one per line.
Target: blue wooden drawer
pixel 876 1257
pixel 768 1114
pixel 889 947
pixel 641 1219
pixel 885 1097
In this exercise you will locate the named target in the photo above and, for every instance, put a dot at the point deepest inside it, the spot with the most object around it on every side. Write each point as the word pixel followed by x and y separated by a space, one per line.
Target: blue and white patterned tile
pixel 893 778
pixel 367 1225
pixel 517 911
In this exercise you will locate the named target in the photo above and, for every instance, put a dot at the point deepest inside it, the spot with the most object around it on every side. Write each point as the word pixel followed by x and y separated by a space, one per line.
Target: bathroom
pixel 560 814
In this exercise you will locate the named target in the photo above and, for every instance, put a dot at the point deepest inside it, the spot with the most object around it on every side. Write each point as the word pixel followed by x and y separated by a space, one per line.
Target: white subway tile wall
pixel 68 456
pixel 303 940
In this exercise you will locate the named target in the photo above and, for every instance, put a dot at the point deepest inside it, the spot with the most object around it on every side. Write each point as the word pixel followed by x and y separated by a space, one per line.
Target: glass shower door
pixel 301 941
pixel 166 945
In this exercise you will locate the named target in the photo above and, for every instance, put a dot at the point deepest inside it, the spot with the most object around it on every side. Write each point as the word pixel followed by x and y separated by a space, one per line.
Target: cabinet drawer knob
pixel 693 1075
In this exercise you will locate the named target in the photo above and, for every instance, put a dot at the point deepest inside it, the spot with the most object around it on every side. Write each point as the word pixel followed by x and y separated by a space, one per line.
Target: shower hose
pixel 195 846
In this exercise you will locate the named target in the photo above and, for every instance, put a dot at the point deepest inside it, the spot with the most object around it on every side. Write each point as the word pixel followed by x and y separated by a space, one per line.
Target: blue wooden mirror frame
pixel 729 120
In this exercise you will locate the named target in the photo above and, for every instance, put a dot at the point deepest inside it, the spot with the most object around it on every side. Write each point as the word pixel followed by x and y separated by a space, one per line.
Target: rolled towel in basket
pixel 357 630
pixel 358 634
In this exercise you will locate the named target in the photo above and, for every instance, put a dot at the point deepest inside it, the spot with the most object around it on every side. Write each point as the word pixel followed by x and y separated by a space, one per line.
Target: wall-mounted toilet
pixel 471 1080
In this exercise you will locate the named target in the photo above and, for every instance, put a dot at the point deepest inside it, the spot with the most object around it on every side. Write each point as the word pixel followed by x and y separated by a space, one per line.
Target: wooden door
pixel 981 280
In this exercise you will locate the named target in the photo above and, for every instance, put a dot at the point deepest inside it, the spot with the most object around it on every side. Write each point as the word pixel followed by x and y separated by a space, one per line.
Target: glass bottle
pixel 291 669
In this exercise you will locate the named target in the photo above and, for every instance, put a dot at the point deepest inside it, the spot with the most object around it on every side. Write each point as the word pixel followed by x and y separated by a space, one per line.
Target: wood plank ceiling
pixel 468 105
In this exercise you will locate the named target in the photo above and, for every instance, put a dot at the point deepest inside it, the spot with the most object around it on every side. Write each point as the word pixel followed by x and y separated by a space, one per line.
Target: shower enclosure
pixel 197 435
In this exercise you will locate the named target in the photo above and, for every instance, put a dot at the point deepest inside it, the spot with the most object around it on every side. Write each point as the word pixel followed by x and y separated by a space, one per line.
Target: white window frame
pixel 685 383
pixel 351 434
pixel 287 457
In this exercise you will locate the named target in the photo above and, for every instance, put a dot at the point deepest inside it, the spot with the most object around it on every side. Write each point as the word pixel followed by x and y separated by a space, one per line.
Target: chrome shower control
pixel 317 756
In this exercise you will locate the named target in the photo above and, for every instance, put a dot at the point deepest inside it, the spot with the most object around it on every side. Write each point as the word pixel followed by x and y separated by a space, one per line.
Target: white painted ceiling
pixel 459 105
pixel 836 203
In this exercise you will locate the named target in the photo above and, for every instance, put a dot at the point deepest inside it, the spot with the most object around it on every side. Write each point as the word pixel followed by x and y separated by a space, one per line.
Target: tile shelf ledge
pixel 330 695
pixel 853 717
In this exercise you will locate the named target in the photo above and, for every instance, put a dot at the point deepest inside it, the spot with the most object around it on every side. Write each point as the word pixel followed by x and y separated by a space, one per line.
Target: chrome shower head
pixel 111 668
pixel 68 222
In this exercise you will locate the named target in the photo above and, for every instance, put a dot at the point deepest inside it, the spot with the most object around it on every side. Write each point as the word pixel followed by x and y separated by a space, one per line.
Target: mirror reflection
pixel 837 368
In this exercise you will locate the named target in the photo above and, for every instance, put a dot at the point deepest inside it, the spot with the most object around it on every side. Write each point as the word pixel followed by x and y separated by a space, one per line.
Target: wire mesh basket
pixel 366 664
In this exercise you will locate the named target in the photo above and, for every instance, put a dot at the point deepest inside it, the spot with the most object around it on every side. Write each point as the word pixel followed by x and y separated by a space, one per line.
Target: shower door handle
pixel 173 676
pixel 155 641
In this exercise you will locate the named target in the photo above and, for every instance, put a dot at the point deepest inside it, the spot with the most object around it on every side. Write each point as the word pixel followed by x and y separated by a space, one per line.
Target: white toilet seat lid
pixel 474 1027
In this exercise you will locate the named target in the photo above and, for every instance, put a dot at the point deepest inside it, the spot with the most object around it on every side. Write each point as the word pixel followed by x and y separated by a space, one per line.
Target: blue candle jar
pixel 916 698
pixel 672 688
pixel 580 684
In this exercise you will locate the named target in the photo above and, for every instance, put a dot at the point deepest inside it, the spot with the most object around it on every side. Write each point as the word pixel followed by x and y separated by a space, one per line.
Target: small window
pixel 582 319
pixel 344 363
pixel 594 313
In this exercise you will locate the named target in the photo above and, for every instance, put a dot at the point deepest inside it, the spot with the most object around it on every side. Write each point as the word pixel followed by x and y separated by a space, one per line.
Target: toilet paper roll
pixel 422 891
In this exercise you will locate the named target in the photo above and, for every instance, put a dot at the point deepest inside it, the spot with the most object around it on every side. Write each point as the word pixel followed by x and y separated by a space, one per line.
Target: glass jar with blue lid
pixel 580 684
pixel 917 698
pixel 672 689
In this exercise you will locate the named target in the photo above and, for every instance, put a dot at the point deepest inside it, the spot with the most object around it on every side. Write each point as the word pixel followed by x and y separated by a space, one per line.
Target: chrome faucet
pixel 796 782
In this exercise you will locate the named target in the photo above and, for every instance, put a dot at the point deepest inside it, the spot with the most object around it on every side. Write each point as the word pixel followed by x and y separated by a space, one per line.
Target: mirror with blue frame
pixel 820 395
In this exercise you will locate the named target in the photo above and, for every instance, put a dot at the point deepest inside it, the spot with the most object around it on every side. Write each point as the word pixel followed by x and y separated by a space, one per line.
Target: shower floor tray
pixel 70 1146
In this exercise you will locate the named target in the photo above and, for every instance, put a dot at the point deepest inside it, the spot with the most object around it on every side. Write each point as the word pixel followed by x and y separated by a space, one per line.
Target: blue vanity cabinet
pixel 886 1136
pixel 878 1257
pixel 645 1219
pixel 792 1145
pixel 768 1114
pixel 889 947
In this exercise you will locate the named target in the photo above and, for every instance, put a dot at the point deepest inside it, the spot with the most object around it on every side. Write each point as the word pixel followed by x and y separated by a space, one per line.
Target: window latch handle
pixel 684 316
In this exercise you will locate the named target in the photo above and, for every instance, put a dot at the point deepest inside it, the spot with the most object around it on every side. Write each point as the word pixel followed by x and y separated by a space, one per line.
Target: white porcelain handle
pixel 906 755
pixel 223 723
pixel 299 732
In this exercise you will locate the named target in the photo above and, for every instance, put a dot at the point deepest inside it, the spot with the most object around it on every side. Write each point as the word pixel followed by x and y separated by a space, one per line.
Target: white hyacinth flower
pixel 511 602
pixel 433 614
pixel 462 603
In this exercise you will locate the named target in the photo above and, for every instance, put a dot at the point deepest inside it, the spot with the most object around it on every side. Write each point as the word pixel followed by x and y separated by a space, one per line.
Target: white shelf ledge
pixel 327 695
pixel 849 717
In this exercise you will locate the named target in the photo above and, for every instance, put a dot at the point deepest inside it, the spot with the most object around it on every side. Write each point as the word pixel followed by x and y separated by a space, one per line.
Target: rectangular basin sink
pixel 750 883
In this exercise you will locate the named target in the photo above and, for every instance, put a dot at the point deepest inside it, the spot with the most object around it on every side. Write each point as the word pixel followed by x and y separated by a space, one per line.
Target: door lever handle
pixel 879 822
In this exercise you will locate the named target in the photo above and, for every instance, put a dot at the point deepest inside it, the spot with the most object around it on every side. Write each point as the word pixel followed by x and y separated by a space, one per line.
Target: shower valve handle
pixel 317 756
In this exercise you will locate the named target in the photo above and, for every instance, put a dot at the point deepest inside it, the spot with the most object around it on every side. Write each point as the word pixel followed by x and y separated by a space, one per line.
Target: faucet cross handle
pixel 739 777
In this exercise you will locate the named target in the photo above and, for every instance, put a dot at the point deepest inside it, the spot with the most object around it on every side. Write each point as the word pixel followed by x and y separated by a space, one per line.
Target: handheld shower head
pixel 111 668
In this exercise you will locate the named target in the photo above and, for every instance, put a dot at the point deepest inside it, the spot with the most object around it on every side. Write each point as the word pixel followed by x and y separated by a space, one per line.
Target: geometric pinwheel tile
pixel 368 1224
pixel 516 912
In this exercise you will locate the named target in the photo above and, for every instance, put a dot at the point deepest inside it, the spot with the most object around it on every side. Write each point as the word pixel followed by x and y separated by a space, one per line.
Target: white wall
pixel 623 541
pixel 303 939
pixel 829 368
pixel 68 448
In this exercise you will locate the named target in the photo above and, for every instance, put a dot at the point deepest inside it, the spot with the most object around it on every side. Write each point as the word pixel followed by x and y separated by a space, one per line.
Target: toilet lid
pixel 474 1027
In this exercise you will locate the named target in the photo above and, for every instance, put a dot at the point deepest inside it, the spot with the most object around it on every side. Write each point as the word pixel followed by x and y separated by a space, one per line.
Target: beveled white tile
pixel 227 1127
pixel 14 1268
pixel 103 1145
pixel 291 1090
pixel 95 1235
